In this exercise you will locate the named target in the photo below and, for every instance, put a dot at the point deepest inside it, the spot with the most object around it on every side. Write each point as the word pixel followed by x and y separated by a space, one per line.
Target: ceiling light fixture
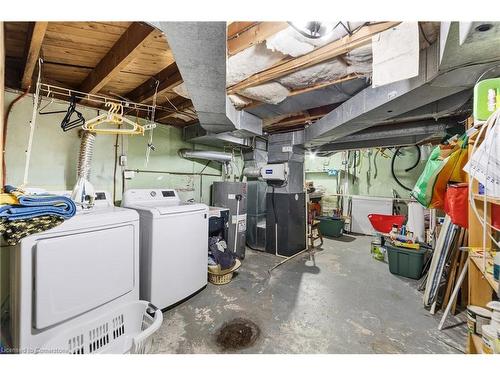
pixel 314 29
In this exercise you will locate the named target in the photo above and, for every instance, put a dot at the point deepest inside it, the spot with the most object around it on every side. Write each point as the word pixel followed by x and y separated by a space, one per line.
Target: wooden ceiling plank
pixel 122 52
pixel 234 28
pixel 298 118
pixel 33 51
pixel 253 35
pixel 168 78
pixel 319 55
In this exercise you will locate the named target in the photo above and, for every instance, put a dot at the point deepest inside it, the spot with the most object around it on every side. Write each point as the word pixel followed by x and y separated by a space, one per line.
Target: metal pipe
pixel 222 157
pixel 174 173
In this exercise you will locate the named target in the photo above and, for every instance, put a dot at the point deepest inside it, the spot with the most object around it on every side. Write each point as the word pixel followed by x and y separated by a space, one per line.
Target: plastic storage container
pixel 331 226
pixel 405 262
pixel 383 223
pixel 126 329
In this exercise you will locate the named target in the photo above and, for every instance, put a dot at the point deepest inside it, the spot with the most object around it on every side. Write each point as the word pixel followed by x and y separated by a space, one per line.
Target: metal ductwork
pixel 197 134
pixel 403 134
pixel 222 157
pixel 200 53
pixel 444 72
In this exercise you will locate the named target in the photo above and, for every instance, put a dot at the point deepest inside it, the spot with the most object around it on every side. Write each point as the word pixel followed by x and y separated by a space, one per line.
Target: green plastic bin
pixel 406 262
pixel 331 226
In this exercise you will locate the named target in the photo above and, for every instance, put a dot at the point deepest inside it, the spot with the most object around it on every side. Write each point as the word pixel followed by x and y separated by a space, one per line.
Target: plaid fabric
pixel 14 231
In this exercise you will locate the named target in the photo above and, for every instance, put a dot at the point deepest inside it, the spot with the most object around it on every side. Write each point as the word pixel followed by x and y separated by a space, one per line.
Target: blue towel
pixel 31 206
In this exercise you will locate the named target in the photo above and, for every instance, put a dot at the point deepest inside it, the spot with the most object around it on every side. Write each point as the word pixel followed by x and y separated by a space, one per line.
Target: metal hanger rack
pixel 58 92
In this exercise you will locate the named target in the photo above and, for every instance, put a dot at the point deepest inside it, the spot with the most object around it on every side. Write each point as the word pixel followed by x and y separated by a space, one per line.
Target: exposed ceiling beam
pixel 317 86
pixel 253 35
pixel 319 55
pixel 300 118
pixel 234 28
pixel 122 52
pixel 167 79
pixel 33 51
pixel 179 103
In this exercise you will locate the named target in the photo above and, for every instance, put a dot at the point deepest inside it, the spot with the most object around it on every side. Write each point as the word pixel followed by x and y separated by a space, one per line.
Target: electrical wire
pixel 423 33
pixel 393 161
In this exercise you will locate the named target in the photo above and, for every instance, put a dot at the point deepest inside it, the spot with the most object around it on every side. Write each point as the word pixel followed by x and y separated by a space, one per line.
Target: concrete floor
pixel 335 300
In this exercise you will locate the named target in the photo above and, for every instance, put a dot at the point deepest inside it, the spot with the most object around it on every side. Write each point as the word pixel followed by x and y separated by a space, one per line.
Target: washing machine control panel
pixel 150 195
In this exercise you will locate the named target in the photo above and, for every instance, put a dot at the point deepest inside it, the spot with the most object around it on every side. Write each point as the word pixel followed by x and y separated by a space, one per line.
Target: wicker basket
pixel 220 277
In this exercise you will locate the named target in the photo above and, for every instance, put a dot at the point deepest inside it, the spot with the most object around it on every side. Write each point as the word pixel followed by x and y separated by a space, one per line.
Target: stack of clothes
pixel 22 214
pixel 218 255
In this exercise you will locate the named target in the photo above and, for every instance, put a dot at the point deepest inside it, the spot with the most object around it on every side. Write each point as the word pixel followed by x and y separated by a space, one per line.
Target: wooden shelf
pixel 480 197
pixel 478 261
pixel 477 342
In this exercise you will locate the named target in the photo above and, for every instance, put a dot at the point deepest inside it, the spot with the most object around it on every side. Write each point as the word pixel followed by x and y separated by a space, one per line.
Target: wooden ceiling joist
pixel 33 51
pixel 300 118
pixel 319 55
pixel 122 52
pixel 253 35
pixel 237 27
pixel 167 79
pixel 179 103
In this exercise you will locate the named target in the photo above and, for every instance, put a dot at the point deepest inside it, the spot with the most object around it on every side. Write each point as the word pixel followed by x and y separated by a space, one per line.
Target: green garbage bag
pixel 423 189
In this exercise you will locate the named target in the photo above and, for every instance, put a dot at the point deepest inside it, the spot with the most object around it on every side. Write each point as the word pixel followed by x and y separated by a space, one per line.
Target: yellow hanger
pixel 113 116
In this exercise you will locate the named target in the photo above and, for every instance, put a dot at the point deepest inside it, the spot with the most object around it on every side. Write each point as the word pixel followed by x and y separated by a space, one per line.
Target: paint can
pixel 490 338
pixel 477 317
pixel 378 251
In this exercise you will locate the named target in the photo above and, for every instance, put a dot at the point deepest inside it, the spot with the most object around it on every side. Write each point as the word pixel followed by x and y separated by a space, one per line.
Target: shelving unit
pixel 481 285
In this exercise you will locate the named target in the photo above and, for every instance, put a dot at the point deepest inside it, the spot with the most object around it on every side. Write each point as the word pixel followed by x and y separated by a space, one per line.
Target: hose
pixel 393 160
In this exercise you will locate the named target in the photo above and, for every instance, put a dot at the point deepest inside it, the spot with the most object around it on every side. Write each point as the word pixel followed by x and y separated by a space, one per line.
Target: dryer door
pixel 78 272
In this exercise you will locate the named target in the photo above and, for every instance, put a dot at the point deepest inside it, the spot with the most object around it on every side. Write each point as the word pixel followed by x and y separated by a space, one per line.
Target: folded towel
pixel 6 198
pixel 31 206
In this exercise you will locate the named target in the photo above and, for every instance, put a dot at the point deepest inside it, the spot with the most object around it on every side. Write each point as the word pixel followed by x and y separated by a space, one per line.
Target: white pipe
pixel 236 224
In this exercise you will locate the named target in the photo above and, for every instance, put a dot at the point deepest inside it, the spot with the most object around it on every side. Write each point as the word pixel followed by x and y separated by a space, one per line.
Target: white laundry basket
pixel 126 329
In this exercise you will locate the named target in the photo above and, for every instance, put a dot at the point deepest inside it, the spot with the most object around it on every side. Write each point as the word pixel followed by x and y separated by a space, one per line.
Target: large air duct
pixel 199 49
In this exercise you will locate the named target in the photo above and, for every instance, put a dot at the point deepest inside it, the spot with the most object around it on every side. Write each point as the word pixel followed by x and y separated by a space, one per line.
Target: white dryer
pixel 174 245
pixel 70 274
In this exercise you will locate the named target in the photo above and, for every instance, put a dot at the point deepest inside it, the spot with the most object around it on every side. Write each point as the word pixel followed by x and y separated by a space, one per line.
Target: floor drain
pixel 237 334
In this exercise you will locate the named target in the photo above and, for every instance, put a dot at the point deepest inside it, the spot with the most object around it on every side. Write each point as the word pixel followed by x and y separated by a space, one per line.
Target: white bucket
pixel 477 317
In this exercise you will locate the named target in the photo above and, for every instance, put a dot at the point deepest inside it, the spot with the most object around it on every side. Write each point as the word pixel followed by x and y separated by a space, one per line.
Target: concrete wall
pixel 55 153
pixel 371 179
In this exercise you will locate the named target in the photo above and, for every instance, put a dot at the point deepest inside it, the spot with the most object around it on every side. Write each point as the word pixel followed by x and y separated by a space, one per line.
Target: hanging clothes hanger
pixel 40 111
pixel 67 123
pixel 113 116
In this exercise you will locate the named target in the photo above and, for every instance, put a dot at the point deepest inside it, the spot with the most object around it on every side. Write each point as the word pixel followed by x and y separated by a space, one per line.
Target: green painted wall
pixel 55 153
pixel 373 176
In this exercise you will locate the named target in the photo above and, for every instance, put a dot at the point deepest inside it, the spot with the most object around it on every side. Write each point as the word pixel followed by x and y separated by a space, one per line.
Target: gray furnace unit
pixel 233 195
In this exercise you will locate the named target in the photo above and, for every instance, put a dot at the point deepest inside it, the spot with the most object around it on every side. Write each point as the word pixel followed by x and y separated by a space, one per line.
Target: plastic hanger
pixel 113 116
pixel 67 123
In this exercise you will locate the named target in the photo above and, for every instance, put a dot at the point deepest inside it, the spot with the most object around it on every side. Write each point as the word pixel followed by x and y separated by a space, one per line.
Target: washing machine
pixel 73 273
pixel 174 245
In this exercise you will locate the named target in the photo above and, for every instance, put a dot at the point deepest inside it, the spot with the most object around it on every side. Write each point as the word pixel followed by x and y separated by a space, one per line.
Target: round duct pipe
pixel 222 157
